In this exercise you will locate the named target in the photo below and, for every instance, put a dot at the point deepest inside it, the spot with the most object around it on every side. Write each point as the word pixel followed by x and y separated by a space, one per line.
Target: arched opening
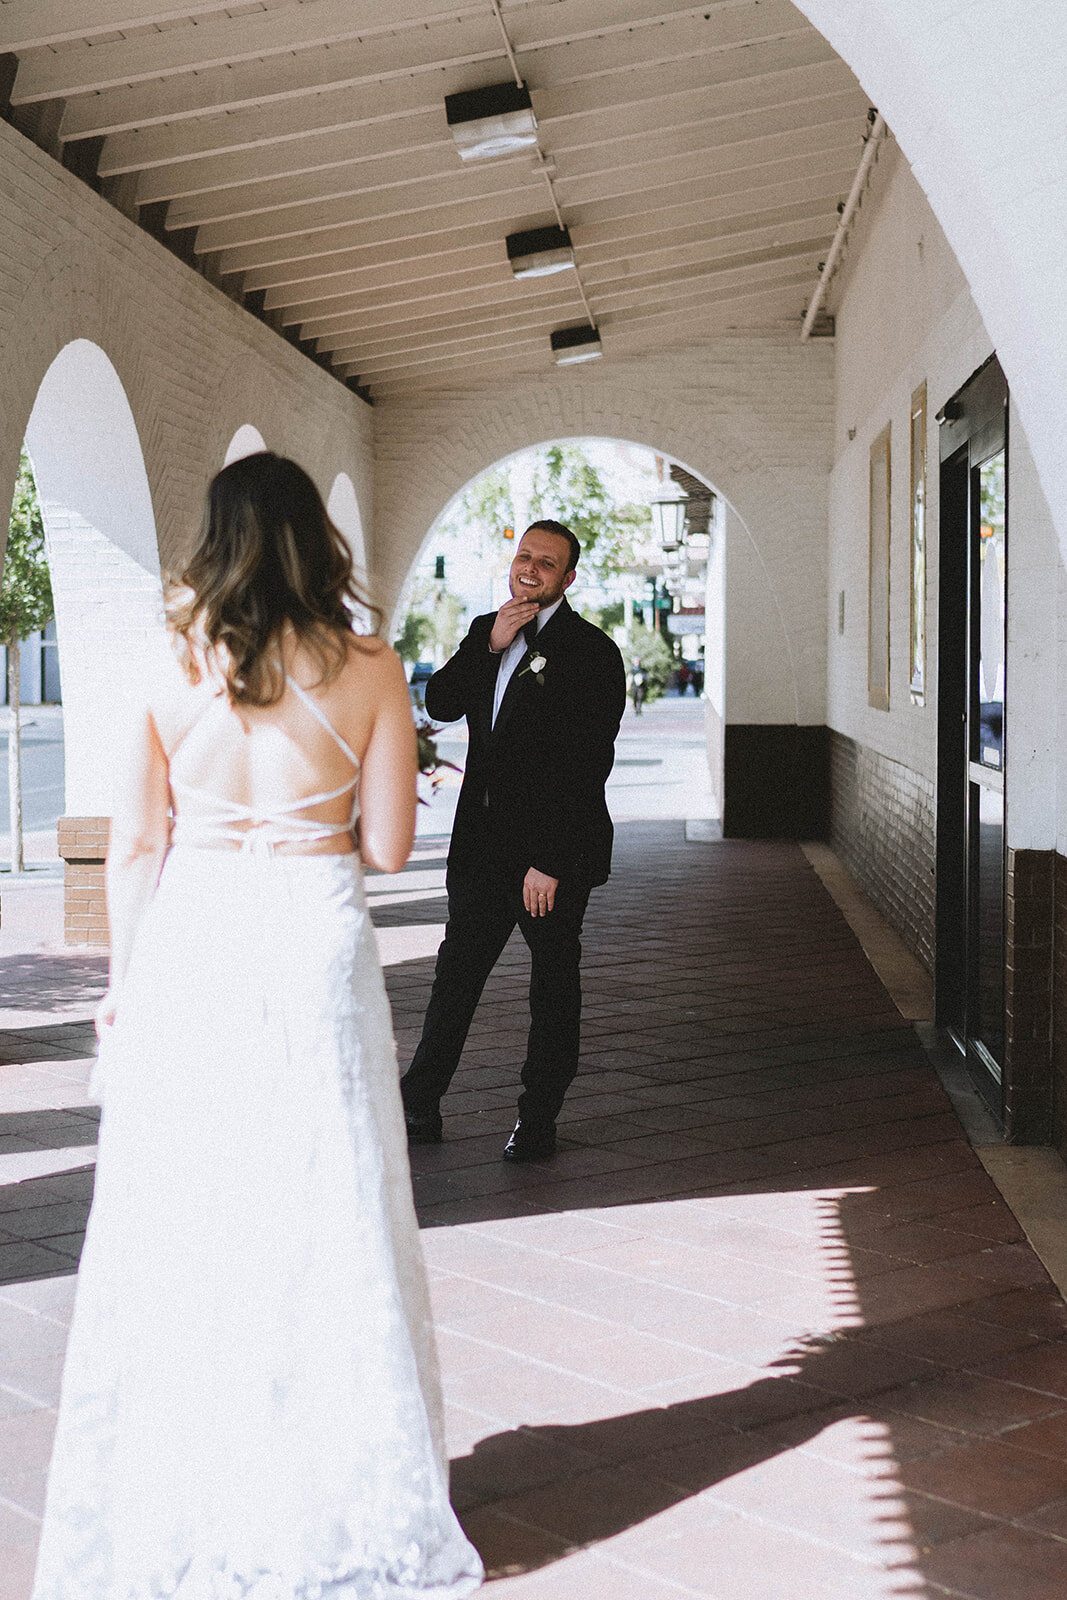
pixel 342 507
pixel 101 540
pixel 666 608
pixel 247 441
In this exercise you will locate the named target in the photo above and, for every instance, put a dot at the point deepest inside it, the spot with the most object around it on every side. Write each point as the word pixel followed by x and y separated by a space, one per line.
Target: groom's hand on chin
pixel 510 620
pixel 539 892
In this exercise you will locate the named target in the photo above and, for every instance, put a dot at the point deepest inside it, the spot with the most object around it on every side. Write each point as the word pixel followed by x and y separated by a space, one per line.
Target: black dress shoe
pixel 423 1129
pixel 531 1141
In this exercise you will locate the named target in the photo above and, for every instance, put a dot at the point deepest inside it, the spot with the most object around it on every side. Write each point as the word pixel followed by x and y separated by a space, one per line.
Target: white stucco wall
pixel 749 414
pixel 905 315
pixel 137 333
pixel 975 93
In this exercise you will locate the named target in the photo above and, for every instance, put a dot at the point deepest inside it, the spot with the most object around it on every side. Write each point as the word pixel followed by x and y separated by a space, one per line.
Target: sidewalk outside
pixel 763 1330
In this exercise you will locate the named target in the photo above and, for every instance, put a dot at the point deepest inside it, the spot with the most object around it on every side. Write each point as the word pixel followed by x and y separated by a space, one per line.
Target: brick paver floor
pixel 762 1330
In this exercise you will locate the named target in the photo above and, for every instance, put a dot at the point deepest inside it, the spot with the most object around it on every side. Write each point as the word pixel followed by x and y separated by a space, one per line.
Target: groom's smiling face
pixel 539 570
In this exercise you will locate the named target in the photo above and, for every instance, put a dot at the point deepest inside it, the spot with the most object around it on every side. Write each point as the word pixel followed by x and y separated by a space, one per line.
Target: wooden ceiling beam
pixel 215 44
pixel 294 30
pixel 319 277
pixel 682 113
pixel 716 146
pixel 353 204
pixel 778 183
pixel 461 309
pixel 402 283
pixel 783 61
pixel 475 44
pixel 459 299
pixel 33 24
pixel 768 306
pixel 491 343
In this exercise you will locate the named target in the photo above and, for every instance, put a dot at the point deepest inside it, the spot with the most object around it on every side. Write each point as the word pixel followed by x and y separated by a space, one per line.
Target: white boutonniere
pixel 536 665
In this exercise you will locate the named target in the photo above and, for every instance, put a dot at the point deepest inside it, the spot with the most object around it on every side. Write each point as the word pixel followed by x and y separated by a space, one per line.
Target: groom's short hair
pixel 548 526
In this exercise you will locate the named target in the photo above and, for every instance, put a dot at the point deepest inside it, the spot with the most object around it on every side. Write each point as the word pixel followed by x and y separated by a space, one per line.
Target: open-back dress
pixel 251 1406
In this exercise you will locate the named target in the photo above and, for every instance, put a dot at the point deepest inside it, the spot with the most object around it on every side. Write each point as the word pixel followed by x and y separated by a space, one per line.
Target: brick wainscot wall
pixel 83 847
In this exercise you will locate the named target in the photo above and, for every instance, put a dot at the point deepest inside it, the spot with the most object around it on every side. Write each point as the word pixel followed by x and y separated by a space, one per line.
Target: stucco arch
pixel 758 434
pixel 342 506
pixel 247 441
pixel 972 98
pixel 102 549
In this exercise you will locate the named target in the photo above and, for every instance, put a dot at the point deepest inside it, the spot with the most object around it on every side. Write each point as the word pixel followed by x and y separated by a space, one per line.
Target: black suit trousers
pixel 484 906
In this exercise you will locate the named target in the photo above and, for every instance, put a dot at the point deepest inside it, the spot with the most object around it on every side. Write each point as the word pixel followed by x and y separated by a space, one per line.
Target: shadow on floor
pixel 33 982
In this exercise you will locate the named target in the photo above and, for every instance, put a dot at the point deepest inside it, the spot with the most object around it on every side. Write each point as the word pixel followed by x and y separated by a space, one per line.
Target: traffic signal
pixel 509 533
pixel 439 568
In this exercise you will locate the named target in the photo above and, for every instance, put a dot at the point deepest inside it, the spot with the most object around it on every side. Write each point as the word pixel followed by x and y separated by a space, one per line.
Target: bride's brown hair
pixel 267 555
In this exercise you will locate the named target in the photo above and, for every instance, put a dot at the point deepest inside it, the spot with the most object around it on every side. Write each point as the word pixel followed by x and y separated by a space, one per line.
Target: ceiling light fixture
pixel 491 122
pixel 540 251
pixel 571 345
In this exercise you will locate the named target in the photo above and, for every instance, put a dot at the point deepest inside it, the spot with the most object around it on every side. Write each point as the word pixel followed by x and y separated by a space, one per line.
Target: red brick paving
pixel 762 1330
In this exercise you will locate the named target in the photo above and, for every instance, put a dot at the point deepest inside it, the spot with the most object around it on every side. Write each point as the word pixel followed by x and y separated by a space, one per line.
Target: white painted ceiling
pixel 299 148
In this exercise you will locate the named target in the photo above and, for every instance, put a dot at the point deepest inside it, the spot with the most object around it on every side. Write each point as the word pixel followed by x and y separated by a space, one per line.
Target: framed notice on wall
pixel 878 576
pixel 917 678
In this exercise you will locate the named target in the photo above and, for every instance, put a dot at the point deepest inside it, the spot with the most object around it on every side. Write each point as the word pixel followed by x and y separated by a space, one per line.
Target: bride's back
pixel 275 720
pixel 276 759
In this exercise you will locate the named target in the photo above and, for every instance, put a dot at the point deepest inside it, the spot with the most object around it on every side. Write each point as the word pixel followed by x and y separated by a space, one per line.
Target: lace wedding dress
pixel 251 1407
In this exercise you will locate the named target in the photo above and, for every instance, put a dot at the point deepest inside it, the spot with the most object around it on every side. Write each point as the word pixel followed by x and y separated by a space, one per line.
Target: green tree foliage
pixel 415 633
pixel 435 618
pixel 655 655
pixel 487 502
pixel 25 605
pixel 568 488
pixel 25 588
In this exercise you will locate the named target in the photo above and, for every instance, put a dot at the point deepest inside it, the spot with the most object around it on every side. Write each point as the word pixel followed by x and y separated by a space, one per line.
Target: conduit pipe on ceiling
pixel 540 164
pixel 870 150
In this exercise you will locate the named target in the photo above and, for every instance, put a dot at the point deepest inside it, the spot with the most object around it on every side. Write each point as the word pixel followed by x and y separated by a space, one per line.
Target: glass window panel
pixel 878 590
pixel 918 546
pixel 992 554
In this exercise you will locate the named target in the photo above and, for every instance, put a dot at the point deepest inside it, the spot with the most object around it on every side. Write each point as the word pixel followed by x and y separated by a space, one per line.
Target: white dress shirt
pixel 514 654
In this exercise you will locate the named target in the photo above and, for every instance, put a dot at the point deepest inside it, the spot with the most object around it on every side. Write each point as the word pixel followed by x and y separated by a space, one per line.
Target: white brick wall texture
pixel 905 316
pixel 975 93
pixel 193 367
pixel 750 415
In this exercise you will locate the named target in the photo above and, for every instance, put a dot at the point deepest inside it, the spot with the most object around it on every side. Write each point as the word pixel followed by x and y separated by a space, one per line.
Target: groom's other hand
pixel 539 892
pixel 510 620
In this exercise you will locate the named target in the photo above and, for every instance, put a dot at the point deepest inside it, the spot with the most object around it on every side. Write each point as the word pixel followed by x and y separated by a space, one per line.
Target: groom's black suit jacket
pixel 544 765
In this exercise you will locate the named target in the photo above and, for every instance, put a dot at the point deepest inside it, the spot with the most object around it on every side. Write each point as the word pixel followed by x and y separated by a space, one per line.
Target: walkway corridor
pixel 763 1330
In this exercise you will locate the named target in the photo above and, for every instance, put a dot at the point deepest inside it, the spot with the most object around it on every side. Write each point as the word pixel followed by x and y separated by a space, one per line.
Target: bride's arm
pixel 140 835
pixel 389 770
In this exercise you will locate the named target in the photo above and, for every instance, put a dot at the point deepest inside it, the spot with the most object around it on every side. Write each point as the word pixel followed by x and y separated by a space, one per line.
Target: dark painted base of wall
pixel 1036 910
pixel 776 781
pixel 883 827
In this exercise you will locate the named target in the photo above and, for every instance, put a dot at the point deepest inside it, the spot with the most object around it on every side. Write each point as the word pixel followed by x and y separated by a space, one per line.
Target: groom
pixel 543 692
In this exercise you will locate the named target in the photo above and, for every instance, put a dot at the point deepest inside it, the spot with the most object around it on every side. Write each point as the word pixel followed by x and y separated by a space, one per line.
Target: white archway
pixel 974 98
pixel 342 508
pixel 100 533
pixel 247 441
pixel 753 674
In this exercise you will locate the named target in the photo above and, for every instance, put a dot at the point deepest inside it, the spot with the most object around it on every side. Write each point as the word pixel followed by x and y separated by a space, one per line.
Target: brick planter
pixel 83 847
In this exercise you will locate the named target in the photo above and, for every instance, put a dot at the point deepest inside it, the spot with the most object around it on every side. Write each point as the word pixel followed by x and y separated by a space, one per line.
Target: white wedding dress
pixel 251 1407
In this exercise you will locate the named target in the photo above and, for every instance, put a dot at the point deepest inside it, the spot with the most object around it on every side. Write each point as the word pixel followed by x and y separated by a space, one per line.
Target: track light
pixel 571 345
pixel 491 122
pixel 539 251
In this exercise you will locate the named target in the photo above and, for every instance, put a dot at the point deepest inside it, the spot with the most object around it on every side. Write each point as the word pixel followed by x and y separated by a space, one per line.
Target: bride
pixel 251 1407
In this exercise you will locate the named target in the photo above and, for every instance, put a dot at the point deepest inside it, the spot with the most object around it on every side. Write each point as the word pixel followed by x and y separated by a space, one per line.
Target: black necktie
pixel 529 633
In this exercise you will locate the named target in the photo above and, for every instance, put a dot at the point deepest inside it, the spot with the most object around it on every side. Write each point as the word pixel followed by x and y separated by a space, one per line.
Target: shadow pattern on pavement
pixel 760 1175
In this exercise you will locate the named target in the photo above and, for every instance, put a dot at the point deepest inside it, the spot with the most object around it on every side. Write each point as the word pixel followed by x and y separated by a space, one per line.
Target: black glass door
pixel 972 727
pixel 985 777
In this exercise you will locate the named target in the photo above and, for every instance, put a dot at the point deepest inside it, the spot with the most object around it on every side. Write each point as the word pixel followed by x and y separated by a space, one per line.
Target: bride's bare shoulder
pixel 369 656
